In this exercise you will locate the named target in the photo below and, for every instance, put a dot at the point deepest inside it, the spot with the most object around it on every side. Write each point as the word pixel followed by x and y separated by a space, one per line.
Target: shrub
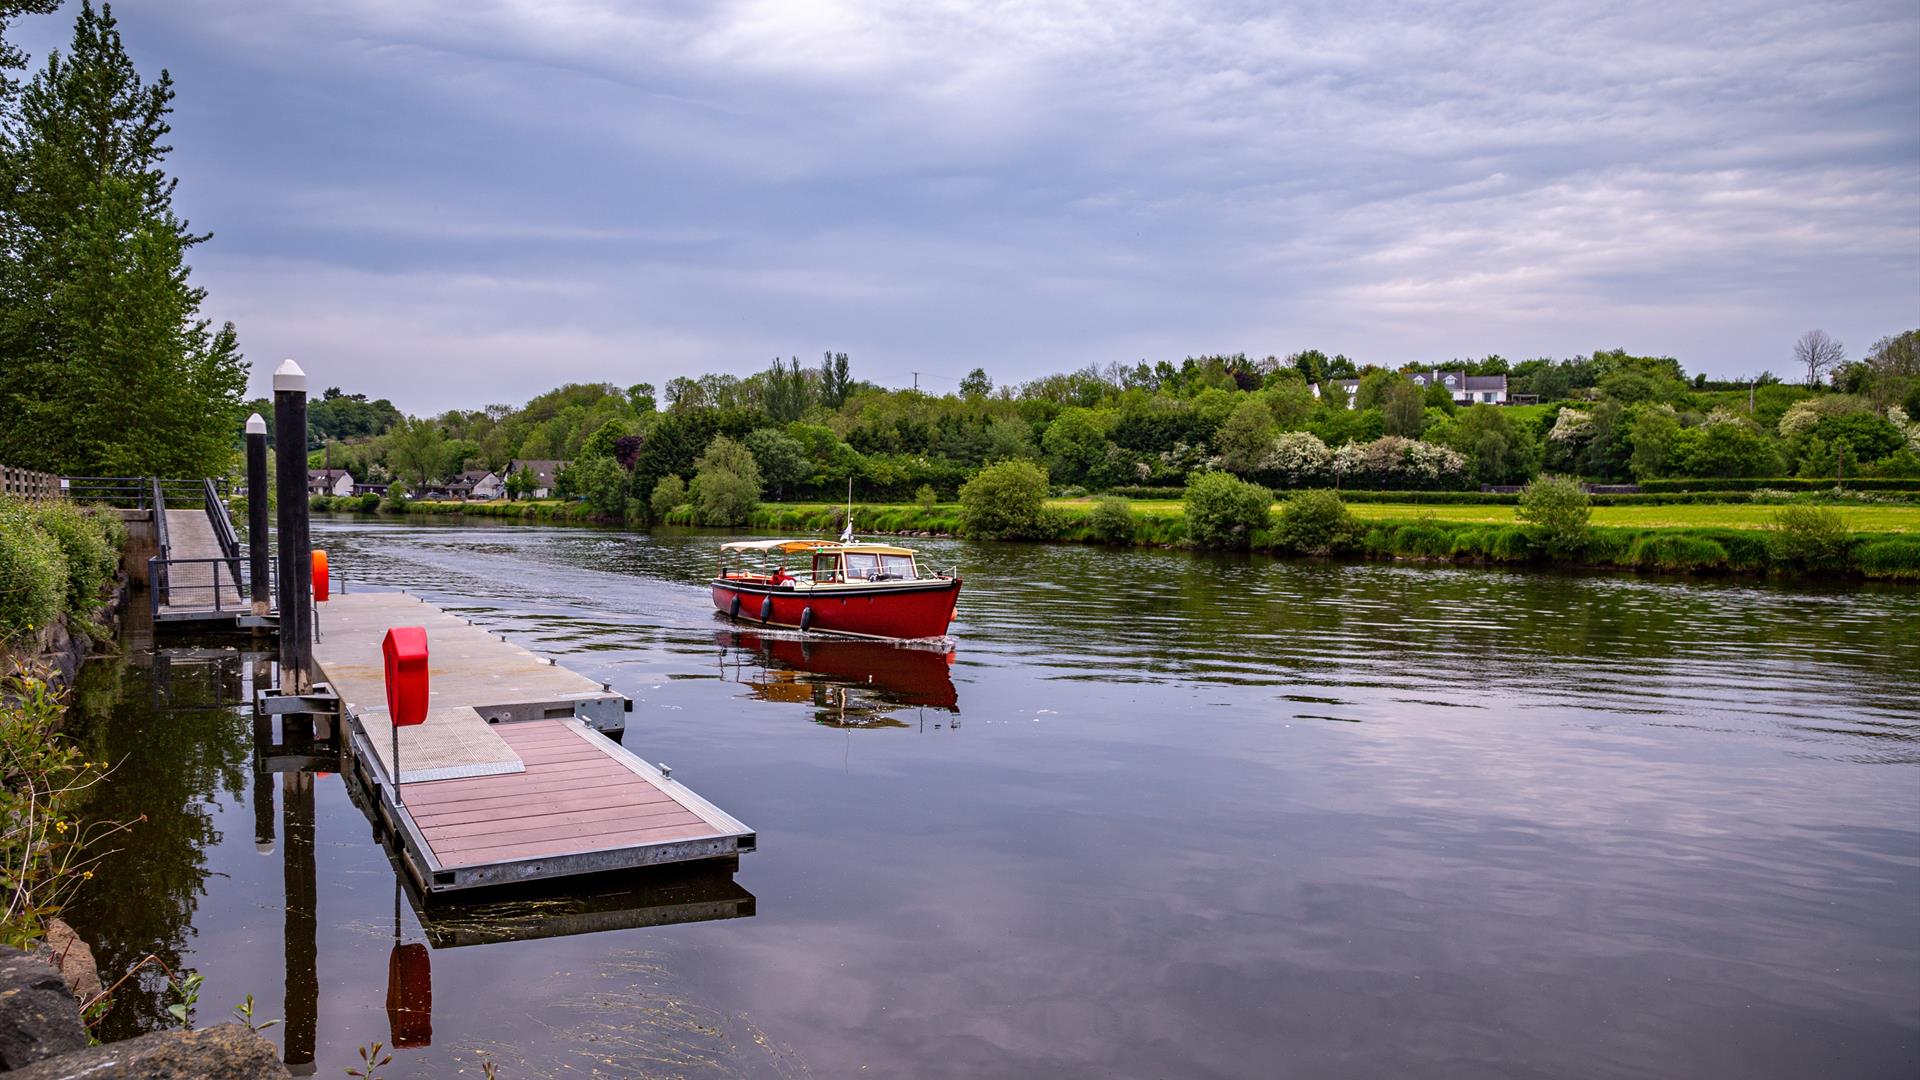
pixel 1111 521
pixel 1510 544
pixel 1555 510
pixel 926 496
pixel 396 500
pixel 1315 523
pixel 601 484
pixel 320 504
pixel 1224 511
pixel 1897 559
pixel 1005 500
pixel 1676 550
pixel 369 501
pixel 1815 537
pixel 726 483
pixel 668 494
pixel 91 562
pixel 33 574
pixel 1424 539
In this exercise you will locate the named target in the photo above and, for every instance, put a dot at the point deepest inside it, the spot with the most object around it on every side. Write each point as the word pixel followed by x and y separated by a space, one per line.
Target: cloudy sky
pixel 457 203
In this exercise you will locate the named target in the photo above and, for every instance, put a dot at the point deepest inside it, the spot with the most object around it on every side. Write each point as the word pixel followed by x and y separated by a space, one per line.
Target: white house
pixel 543 472
pixel 1465 389
pixel 335 482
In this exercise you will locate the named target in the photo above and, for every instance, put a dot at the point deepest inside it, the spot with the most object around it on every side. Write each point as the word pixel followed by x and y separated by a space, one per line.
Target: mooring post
pixel 290 458
pixel 257 499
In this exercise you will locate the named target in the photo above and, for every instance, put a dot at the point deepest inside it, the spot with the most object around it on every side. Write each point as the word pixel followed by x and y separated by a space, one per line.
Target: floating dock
pixel 509 779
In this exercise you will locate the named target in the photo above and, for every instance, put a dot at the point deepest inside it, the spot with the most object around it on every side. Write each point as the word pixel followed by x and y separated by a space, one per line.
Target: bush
pixel 369 501
pixel 726 483
pixel 1814 537
pixel 1555 511
pixel 1315 523
pixel 1897 559
pixel 33 574
pixel 396 500
pixel 320 504
pixel 92 559
pixel 1111 521
pixel 1224 511
pixel 1005 500
pixel 1675 550
pixel 668 495
pixel 926 496
pixel 1778 483
pixel 601 484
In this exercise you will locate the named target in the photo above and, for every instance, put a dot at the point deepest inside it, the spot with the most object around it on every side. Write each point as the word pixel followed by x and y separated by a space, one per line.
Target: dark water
pixel 1164 815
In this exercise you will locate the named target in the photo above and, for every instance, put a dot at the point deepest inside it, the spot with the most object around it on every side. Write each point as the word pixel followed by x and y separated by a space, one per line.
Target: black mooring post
pixel 257 499
pixel 296 551
pixel 301 881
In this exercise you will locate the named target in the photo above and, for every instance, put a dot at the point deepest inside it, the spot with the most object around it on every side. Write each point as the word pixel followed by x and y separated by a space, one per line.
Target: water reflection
pixel 849 683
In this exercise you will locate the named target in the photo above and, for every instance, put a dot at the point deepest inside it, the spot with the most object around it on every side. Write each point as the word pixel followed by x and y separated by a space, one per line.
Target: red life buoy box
pixel 320 583
pixel 405 649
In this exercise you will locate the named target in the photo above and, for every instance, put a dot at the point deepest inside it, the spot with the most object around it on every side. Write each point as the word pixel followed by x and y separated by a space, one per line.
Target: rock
pixel 226 1052
pixel 72 958
pixel 38 1015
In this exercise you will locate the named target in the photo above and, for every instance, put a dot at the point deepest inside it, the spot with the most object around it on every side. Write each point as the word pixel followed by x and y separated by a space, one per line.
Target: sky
pixel 453 204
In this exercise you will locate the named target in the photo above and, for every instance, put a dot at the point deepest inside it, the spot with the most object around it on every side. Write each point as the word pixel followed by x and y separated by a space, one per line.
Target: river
pixel 1158 814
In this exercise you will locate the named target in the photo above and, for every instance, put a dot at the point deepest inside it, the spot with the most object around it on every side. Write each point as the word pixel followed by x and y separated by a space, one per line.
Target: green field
pixel 1882 519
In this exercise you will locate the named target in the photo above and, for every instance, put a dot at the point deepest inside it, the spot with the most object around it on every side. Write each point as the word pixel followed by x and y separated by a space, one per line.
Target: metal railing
pixel 221 597
pixel 158 585
pixel 136 492
pixel 223 532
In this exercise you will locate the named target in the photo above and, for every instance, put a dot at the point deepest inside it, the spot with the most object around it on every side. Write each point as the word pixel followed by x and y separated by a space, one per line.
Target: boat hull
pixel 914 610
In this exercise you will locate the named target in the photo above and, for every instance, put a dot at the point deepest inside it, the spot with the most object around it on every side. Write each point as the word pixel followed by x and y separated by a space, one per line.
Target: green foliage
pixel 726 483
pixel 1782 483
pixel 1111 520
pixel 599 482
pixel 33 574
pixel 1225 511
pixel 1555 511
pixel 92 558
pixel 1315 522
pixel 416 449
pixel 1402 408
pixel 1006 500
pixel 925 496
pixel 783 462
pixel 43 780
pixel 668 494
pixel 1244 438
pixel 1677 551
pixel 396 499
pixel 1896 559
pixel 109 367
pixel 1652 434
pixel 1811 537
pixel 1723 450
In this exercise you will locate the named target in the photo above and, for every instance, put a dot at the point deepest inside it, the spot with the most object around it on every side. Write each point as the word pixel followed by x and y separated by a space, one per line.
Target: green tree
pixel 1244 439
pixel 976 385
pixel 1403 408
pixel 1076 443
pixel 782 460
pixel 726 483
pixel 836 382
pixel 1652 435
pixel 669 494
pixel 1005 500
pixel 602 442
pixel 788 394
pixel 1290 399
pixel 1555 510
pixel 1223 511
pixel 11 58
pixel 415 448
pixel 599 482
pixel 640 398
pixel 106 366
pixel 1501 452
pixel 1315 523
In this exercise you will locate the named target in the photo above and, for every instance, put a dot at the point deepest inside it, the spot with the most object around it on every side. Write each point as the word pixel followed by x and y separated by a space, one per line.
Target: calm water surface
pixel 1161 815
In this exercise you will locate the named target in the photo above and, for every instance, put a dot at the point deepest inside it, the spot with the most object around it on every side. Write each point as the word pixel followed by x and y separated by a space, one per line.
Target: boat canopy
pixel 796 546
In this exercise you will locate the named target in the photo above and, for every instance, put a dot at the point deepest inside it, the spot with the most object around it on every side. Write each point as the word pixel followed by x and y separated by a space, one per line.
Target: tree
pixel 1652 435
pixel 603 441
pixel 1245 437
pixel 1076 442
pixel 782 460
pixel 1817 352
pixel 640 396
pixel 787 392
pixel 668 494
pixel 835 381
pixel 1403 408
pixel 976 385
pixel 108 367
pixel 726 483
pixel 1555 510
pixel 11 58
pixel 1897 354
pixel 1223 511
pixel 1005 500
pixel 1501 452
pixel 414 449
pixel 599 482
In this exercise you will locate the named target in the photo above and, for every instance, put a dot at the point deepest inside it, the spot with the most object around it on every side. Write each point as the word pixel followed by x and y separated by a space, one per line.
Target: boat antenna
pixel 846 534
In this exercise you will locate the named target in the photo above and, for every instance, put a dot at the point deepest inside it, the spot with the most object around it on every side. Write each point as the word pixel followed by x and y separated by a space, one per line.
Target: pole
pixel 257 500
pixel 296 568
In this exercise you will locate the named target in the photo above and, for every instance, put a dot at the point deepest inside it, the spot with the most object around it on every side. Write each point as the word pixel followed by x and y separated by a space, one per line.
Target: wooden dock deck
pixel 203 590
pixel 580 803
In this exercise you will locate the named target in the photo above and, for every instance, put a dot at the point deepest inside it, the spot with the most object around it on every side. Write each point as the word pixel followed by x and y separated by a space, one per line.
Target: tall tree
pixel 1817 352
pixel 11 58
pixel 106 366
pixel 835 381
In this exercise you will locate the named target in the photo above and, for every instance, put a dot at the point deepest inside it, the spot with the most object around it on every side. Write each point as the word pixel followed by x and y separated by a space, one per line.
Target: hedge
pixel 1780 483
pixel 55 559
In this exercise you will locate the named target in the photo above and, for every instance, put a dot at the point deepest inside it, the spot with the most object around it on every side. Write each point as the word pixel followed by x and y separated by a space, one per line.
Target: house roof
pixel 327 474
pixel 542 470
pixel 474 476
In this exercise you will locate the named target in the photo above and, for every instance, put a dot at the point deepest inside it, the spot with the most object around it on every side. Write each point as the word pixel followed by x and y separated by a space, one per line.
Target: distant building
pixel 479 484
pixel 336 482
pixel 1465 389
pixel 543 475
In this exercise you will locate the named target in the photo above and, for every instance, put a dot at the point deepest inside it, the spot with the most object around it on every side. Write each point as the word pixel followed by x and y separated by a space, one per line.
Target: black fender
pixel 806 618
pixel 766 610
pixel 733 612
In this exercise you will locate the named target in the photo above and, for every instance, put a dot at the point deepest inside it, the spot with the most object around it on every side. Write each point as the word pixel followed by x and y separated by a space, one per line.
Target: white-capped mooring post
pixel 296 546
pixel 257 499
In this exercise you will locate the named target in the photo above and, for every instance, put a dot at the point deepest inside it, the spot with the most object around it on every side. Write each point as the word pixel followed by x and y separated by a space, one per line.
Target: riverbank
pixel 1726 537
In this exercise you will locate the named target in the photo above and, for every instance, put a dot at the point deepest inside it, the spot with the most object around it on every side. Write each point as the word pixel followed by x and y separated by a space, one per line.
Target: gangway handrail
pixel 223 532
pixel 161 543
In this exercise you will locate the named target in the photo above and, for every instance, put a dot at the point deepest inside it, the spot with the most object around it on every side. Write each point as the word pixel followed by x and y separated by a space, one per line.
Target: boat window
pixel 862 566
pixel 826 568
pixel 897 567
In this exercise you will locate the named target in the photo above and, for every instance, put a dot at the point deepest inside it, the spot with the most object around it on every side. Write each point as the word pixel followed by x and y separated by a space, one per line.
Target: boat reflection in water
pixel 850 683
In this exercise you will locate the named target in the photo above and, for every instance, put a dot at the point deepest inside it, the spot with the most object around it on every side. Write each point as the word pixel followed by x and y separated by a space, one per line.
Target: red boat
pixel 866 590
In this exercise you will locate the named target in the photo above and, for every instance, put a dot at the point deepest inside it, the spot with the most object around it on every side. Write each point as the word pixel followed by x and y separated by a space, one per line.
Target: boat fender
pixel 806 618
pixel 733 612
pixel 766 610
